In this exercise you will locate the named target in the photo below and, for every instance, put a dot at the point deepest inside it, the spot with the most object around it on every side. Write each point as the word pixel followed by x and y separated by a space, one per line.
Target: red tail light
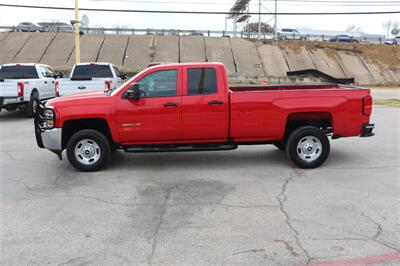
pixel 56 89
pixel 367 105
pixel 20 89
pixel 108 85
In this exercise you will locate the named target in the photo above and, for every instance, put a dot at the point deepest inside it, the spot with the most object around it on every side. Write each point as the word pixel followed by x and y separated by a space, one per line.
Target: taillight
pixel 367 105
pixel 108 85
pixel 20 86
pixel 56 89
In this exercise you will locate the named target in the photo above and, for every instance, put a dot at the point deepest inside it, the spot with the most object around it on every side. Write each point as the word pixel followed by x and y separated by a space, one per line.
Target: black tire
pixel 309 136
pixel 103 150
pixel 280 145
pixel 31 105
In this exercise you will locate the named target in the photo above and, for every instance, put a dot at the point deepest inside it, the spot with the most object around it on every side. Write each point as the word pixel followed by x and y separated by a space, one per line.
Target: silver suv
pixel 28 27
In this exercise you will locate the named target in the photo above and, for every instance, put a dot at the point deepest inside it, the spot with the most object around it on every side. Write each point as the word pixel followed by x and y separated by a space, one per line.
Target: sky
pixel 371 24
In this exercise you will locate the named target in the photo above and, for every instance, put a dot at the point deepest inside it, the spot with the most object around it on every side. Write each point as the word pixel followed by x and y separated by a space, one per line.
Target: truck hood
pixel 81 99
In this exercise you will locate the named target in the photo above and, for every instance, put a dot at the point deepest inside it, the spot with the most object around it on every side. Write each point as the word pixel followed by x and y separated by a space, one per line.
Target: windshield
pixel 18 72
pixel 94 71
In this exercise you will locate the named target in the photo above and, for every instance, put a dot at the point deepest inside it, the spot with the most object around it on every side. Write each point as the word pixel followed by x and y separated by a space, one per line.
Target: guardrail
pixel 215 33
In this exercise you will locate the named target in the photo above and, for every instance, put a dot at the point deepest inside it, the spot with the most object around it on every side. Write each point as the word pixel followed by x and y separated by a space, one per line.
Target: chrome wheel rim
pixel 309 148
pixel 87 151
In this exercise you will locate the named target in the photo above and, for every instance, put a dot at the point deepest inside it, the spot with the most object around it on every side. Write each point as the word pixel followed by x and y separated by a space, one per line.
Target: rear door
pixel 156 116
pixel 45 83
pixel 204 104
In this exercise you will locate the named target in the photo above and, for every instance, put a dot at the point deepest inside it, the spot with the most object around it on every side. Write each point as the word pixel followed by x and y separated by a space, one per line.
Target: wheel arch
pixel 322 120
pixel 70 127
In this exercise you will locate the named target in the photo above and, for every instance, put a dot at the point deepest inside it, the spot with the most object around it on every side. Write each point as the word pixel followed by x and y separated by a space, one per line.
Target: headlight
pixel 48 118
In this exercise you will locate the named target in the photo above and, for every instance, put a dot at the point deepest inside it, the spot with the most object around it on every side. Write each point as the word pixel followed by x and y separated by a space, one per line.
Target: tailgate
pixel 8 88
pixel 67 86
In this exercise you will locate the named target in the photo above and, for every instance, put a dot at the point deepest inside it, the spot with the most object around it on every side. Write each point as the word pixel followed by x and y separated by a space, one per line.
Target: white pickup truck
pixel 87 77
pixel 22 86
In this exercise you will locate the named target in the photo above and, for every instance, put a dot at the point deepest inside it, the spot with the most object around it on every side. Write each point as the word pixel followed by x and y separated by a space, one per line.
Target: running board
pixel 180 148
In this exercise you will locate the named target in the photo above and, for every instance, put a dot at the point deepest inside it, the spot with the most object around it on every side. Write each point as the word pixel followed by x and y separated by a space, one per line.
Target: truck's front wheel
pixel 308 147
pixel 88 150
pixel 31 106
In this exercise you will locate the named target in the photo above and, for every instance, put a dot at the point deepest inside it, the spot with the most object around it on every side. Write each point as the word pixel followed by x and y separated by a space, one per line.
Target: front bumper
pixel 47 138
pixel 51 139
pixel 366 130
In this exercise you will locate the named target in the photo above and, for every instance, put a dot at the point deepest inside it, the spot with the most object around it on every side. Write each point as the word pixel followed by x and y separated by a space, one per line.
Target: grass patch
pixel 388 102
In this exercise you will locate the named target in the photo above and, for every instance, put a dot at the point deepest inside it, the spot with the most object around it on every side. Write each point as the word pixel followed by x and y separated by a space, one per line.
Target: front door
pixel 156 116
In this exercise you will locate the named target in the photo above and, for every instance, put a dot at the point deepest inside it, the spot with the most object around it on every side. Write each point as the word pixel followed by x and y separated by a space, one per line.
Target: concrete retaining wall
pixel 274 63
pixel 354 67
pixel 90 48
pixel 59 51
pixel 113 48
pixel 192 49
pixel 166 49
pixel 219 50
pixel 246 58
pixel 326 64
pixel 35 48
pixel 242 58
pixel 139 52
pixel 298 59
pixel 11 46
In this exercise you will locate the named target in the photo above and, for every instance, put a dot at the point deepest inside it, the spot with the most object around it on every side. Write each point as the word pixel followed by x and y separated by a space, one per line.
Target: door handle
pixel 170 105
pixel 81 87
pixel 215 102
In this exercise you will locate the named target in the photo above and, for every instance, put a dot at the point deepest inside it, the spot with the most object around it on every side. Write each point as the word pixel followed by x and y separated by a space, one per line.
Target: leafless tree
pixel 253 27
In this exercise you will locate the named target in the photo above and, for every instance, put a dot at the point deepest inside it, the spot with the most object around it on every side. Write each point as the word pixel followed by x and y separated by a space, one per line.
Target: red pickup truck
pixel 191 107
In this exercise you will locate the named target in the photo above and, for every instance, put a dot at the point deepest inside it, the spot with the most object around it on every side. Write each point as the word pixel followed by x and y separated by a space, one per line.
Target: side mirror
pixel 122 76
pixel 59 75
pixel 133 92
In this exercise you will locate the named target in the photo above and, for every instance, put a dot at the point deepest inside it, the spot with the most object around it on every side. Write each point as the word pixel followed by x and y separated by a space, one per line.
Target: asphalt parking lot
pixel 249 206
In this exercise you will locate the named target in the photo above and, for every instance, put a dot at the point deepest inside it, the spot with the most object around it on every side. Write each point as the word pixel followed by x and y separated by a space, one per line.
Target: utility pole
pixel 259 20
pixel 77 36
pixel 276 20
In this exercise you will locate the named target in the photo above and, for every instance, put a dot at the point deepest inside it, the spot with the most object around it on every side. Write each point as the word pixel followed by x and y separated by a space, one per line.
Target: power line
pixel 287 3
pixel 201 12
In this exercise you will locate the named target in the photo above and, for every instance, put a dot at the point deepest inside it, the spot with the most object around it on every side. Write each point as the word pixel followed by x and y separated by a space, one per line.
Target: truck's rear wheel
pixel 308 147
pixel 88 150
pixel 31 106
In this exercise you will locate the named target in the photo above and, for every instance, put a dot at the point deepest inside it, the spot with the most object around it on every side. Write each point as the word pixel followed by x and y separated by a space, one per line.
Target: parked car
pixel 293 34
pixel 396 40
pixel 191 107
pixel 344 38
pixel 28 27
pixel 87 77
pixel 24 85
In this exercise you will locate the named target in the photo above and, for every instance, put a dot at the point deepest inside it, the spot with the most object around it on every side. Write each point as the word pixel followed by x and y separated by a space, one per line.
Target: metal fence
pixel 216 33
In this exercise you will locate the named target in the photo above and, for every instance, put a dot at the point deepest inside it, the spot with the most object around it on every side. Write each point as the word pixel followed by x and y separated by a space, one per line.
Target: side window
pixel 159 83
pixel 202 81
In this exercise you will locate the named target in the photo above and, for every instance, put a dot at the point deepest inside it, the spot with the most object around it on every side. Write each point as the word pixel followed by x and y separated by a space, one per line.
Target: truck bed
pixel 259 112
